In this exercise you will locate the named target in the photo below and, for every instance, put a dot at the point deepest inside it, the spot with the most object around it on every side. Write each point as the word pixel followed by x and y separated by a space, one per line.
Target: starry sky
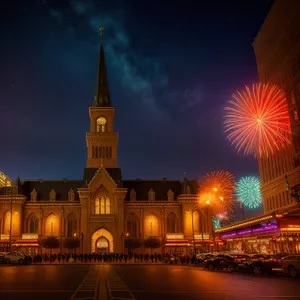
pixel 172 67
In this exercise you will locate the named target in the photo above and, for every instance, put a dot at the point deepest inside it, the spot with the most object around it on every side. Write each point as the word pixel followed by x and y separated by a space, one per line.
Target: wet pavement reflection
pixel 141 282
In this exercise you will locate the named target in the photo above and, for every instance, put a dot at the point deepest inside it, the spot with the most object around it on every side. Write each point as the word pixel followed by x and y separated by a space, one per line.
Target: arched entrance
pixel 99 237
pixel 102 245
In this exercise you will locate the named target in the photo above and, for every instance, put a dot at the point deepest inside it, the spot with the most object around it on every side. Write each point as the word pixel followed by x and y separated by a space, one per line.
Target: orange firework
pixel 216 190
pixel 257 120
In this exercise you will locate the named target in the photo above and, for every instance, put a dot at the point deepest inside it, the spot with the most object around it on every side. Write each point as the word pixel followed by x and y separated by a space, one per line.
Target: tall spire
pixel 101 96
pixel 184 189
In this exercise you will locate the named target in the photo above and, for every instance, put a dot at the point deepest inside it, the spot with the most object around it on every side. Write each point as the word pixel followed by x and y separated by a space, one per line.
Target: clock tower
pixel 102 141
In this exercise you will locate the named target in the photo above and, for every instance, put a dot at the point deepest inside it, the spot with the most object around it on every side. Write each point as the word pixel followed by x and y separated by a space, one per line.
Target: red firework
pixel 257 120
pixel 216 189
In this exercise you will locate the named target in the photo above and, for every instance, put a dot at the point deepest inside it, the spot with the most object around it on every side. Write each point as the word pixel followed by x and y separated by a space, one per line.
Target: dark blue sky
pixel 172 66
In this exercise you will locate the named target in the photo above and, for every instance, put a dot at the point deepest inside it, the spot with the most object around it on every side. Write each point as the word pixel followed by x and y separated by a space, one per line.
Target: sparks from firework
pixel 248 192
pixel 257 120
pixel 216 190
pixel 216 223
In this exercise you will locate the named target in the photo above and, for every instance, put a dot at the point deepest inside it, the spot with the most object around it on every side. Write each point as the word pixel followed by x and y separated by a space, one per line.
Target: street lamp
pixel 11 222
pixel 61 229
pixel 193 231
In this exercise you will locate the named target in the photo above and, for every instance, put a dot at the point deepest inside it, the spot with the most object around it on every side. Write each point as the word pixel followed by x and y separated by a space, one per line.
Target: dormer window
pixel 151 195
pixel 101 124
pixel 33 195
pixel 132 195
pixel 71 195
pixel 52 195
pixel 170 195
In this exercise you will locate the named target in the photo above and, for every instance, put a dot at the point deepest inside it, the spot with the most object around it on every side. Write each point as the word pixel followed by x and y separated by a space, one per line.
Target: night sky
pixel 172 66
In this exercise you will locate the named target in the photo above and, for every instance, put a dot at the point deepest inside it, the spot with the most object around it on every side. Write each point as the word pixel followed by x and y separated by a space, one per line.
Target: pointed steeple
pixel 101 96
pixel 19 184
pixel 185 185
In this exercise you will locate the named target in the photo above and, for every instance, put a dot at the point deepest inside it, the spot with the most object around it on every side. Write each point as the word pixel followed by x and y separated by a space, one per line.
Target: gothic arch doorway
pixel 102 245
pixel 98 239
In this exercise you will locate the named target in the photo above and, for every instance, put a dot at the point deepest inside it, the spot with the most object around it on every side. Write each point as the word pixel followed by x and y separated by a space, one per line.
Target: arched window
pixel 6 222
pixel 52 225
pixel 171 223
pixel 101 124
pixel 133 225
pixel 33 224
pixel 72 225
pixel 196 222
pixel 102 203
pixel 151 225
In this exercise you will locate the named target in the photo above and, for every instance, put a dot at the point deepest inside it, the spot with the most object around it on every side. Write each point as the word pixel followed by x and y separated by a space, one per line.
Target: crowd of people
pixel 114 258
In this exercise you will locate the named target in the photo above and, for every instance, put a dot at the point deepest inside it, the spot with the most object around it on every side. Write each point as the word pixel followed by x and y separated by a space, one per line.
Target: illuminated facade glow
pixel 102 209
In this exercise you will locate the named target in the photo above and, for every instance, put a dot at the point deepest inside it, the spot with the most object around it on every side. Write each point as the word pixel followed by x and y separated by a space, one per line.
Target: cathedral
pixel 102 209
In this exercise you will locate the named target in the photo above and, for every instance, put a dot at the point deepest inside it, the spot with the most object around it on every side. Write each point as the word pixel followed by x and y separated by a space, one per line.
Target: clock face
pixel 101 121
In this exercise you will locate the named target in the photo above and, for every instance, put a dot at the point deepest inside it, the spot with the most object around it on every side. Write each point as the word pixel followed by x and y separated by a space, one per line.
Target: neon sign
pixel 244 232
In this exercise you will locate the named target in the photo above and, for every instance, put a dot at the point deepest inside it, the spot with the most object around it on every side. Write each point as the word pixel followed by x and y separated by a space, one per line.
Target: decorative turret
pixel 19 184
pixel 101 96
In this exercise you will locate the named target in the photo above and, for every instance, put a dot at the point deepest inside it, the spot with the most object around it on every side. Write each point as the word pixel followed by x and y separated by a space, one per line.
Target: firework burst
pixel 257 120
pixel 248 191
pixel 216 189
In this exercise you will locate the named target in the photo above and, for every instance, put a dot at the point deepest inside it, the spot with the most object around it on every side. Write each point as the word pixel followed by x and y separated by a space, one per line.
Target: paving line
pixel 116 288
pixel 89 284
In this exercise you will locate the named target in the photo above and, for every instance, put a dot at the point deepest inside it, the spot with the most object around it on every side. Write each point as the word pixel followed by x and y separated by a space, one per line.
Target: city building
pixel 270 234
pixel 277 51
pixel 102 209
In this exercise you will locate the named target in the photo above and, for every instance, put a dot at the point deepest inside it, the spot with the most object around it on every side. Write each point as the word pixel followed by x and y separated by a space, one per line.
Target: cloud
pixel 138 73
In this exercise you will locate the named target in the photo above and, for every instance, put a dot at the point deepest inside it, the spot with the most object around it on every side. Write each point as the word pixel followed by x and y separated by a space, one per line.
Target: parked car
pixel 17 257
pixel 203 256
pixel 260 264
pixel 222 261
pixel 291 265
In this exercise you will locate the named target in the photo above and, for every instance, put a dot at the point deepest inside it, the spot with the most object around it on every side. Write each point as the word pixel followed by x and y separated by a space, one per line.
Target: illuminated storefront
pixel 176 243
pixel 265 234
pixel 4 243
pixel 29 243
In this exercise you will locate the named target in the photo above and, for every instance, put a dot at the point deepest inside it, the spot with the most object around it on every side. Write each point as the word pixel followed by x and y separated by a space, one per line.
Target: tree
pixel 72 243
pixel 152 242
pixel 131 243
pixel 50 242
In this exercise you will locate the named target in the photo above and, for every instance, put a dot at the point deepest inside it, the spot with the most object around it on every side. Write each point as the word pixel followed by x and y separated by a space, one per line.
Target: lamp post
pixel 11 213
pixel 61 228
pixel 193 231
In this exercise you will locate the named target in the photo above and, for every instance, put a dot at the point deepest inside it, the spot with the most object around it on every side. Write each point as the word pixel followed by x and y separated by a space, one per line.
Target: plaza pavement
pixel 138 281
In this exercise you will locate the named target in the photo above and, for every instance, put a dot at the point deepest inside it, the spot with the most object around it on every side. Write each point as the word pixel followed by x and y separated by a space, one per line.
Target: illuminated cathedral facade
pixel 102 209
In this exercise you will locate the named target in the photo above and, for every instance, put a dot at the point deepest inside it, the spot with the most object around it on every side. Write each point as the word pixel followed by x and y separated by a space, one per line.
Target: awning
pixel 177 242
pixel 4 241
pixel 27 243
pixel 204 241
